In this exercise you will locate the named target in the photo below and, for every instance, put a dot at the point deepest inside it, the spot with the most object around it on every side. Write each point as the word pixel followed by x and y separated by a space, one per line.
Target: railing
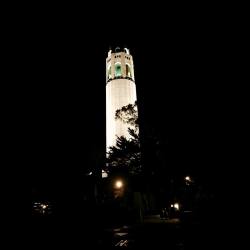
pixel 120 77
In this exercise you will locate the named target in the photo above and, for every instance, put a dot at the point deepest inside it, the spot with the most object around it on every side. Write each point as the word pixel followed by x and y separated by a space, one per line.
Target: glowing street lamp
pixel 118 184
pixel 188 180
pixel 44 206
pixel 177 206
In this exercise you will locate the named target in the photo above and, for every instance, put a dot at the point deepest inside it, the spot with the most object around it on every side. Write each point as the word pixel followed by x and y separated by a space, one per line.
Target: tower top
pixel 117 50
pixel 119 64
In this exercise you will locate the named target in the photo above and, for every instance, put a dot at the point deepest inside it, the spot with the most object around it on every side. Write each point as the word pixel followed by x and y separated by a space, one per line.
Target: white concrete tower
pixel 120 91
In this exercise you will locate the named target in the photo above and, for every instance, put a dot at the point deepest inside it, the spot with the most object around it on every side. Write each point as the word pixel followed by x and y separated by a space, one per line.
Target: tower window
pixel 109 72
pixel 118 69
pixel 128 71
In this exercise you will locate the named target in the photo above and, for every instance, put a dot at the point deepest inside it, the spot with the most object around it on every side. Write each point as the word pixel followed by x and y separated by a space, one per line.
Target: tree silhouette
pixel 126 154
pixel 129 114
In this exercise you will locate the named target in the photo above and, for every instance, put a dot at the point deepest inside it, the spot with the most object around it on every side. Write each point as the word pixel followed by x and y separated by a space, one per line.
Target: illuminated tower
pixel 120 91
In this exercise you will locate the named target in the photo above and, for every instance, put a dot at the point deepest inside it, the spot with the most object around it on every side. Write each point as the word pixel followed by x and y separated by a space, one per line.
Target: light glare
pixel 176 205
pixel 118 184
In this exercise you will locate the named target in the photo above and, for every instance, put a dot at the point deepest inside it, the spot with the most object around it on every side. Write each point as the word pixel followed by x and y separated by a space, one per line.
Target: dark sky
pixel 178 73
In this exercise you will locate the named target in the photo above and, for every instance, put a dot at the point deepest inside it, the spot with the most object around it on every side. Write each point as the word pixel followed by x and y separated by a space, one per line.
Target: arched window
pixel 109 72
pixel 118 69
pixel 128 71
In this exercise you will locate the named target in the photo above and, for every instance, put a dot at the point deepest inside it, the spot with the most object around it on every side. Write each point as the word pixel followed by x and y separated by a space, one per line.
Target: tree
pixel 126 155
pixel 129 114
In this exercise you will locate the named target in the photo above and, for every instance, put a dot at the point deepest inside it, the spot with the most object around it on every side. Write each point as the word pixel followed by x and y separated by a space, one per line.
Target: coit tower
pixel 120 91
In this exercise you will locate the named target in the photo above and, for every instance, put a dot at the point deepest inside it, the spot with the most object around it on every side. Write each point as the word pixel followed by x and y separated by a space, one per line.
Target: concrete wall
pixel 119 93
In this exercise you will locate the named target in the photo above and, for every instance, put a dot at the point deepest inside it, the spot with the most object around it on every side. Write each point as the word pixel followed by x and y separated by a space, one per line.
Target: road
pixel 153 233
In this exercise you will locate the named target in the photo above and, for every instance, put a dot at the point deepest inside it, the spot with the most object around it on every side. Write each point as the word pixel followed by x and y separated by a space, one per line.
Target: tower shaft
pixel 120 91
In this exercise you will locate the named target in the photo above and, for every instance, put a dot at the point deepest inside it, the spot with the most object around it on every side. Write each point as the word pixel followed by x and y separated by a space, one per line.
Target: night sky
pixel 178 67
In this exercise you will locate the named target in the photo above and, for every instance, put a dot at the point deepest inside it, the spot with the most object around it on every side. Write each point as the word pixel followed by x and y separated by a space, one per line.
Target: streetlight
pixel 177 206
pixel 118 188
pixel 44 206
pixel 188 180
pixel 118 184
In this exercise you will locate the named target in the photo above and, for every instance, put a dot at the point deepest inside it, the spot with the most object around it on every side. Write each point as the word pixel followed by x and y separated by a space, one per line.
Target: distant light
pixel 172 205
pixel 90 173
pixel 176 206
pixel 187 178
pixel 44 206
pixel 104 174
pixel 118 184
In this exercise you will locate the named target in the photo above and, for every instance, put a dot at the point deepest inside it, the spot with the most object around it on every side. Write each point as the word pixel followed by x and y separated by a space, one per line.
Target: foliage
pixel 129 115
pixel 126 155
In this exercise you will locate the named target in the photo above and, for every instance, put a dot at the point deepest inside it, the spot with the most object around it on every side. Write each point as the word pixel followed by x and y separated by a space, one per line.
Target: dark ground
pixel 88 232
